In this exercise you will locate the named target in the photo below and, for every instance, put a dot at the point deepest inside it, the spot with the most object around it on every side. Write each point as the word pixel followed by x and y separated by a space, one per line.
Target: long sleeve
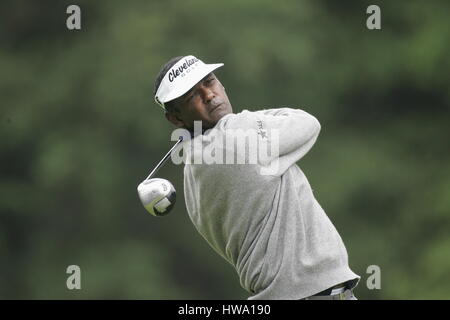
pixel 290 132
pixel 297 130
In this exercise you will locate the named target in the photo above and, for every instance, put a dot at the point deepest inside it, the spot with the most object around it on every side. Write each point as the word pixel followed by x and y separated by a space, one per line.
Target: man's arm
pixel 285 135
pixel 297 129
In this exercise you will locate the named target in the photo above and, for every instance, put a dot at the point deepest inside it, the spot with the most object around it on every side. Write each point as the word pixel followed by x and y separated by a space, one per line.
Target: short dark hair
pixel 160 77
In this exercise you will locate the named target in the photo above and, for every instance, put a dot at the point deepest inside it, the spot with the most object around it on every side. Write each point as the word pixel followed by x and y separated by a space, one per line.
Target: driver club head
pixel 158 196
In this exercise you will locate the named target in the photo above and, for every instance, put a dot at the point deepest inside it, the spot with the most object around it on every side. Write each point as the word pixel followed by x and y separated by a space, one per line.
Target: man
pixel 267 224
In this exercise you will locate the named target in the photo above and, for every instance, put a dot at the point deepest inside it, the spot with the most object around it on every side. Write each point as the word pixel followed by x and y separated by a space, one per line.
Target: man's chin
pixel 212 121
pixel 220 112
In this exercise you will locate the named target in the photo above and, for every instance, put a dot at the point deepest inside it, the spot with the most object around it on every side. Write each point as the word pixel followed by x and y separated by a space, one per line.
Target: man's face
pixel 206 102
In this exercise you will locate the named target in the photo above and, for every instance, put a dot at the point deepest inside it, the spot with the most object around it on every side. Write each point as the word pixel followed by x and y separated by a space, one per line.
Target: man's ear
pixel 174 119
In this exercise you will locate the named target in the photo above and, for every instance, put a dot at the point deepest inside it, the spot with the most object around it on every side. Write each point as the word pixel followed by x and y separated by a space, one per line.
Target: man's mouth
pixel 214 107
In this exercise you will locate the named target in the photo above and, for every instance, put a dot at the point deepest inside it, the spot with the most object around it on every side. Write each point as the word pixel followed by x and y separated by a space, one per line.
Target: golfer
pixel 262 217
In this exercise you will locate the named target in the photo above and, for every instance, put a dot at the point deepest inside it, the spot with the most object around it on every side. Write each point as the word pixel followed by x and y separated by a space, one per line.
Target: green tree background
pixel 79 130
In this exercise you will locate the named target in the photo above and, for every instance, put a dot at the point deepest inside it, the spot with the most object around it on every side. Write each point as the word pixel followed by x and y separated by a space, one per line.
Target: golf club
pixel 157 195
pixel 160 164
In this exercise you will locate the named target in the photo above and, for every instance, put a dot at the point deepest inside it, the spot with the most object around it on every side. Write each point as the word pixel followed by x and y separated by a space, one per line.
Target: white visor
pixel 183 75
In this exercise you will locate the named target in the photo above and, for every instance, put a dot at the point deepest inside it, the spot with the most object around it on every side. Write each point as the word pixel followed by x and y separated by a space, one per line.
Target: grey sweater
pixel 268 226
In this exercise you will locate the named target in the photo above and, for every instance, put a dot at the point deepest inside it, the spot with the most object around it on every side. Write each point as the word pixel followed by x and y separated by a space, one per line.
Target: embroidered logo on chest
pixel 261 131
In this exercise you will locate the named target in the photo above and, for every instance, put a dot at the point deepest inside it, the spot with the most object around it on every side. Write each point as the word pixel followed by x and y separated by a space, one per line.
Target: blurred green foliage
pixel 79 130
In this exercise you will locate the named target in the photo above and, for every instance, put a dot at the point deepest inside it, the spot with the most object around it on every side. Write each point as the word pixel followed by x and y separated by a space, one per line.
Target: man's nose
pixel 207 94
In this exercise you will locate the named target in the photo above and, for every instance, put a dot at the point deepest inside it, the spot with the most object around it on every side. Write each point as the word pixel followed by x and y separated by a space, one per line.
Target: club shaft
pixel 159 165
